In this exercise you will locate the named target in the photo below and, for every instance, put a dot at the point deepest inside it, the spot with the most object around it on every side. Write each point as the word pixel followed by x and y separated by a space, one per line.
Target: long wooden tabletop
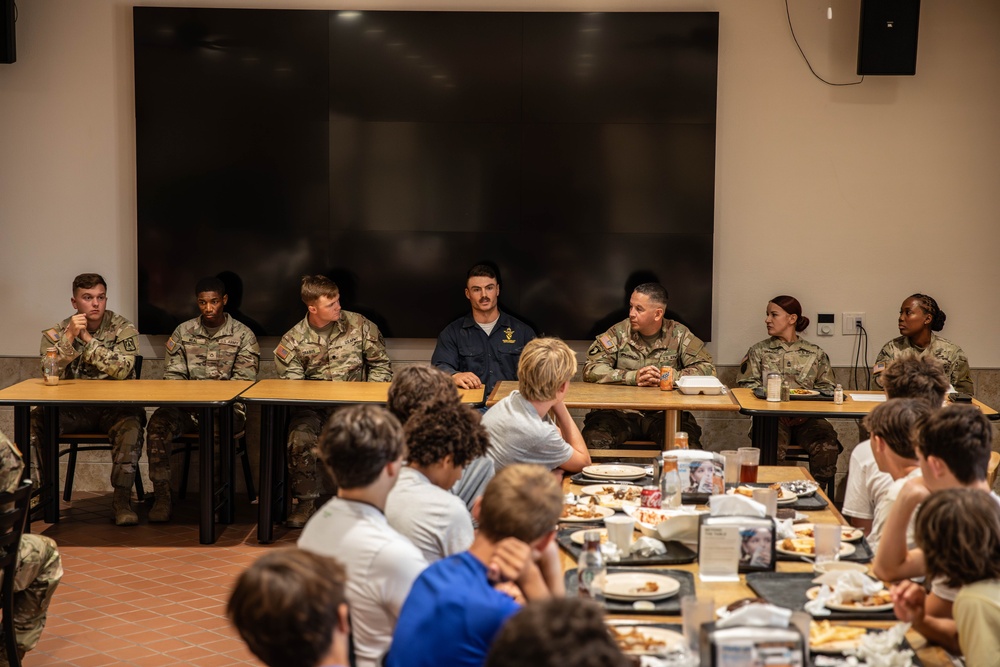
pixel 750 404
pixel 141 392
pixel 625 397
pixel 313 391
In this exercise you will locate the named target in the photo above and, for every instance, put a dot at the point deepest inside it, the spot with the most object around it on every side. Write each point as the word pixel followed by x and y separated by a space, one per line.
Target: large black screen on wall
pixel 392 150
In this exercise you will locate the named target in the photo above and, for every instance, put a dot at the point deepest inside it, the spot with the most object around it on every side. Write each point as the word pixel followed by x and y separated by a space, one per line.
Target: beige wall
pixel 849 198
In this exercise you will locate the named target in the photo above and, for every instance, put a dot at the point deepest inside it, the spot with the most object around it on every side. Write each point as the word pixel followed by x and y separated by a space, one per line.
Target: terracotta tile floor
pixel 149 595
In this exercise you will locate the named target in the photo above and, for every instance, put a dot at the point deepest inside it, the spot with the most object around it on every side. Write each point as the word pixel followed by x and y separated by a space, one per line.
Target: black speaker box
pixel 7 52
pixel 887 43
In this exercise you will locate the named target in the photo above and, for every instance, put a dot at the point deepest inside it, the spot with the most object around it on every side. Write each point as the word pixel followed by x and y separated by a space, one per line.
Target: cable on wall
pixel 788 16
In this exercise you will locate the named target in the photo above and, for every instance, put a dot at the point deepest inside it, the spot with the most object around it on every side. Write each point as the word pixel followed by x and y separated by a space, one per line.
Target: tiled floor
pixel 149 595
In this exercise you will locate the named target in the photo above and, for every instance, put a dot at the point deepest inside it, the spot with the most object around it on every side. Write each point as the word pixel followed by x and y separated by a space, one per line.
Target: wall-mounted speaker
pixel 887 43
pixel 8 53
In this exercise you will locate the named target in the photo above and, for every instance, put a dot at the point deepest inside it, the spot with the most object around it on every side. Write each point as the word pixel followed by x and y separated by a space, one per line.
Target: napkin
pixel 848 586
pixel 757 615
pixel 785 529
pixel 881 649
pixel 645 547
pixel 735 505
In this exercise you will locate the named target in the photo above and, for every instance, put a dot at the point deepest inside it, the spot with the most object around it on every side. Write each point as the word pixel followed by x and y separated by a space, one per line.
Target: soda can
pixel 651 497
pixel 667 378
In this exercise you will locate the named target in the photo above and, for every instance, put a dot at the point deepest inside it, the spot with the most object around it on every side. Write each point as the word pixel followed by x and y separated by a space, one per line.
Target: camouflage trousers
pixel 608 429
pixel 124 426
pixel 169 423
pixel 307 477
pixel 817 437
pixel 39 569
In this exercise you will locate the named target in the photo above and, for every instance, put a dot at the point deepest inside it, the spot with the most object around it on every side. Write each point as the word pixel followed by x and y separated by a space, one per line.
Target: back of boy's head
pixel 895 421
pixel 961 437
pixel 437 430
pixel 556 632
pixel 413 386
pixel 545 364
pixel 286 606
pixel 522 501
pixel 357 443
pixel 913 375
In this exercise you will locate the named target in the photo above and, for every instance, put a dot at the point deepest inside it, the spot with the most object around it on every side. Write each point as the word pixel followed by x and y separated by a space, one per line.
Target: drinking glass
pixel 827 542
pixel 749 462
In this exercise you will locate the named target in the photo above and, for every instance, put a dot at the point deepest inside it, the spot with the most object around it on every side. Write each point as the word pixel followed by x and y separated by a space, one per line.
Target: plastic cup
pixel 696 610
pixel 768 498
pixel 732 465
pixel 827 542
pixel 620 528
pixel 749 463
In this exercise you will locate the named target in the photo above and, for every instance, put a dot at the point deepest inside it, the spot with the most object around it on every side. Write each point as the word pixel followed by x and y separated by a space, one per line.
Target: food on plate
pixel 879 599
pixel 622 492
pixel 648 516
pixel 799 545
pixel 580 512
pixel 800 392
pixel 846 532
pixel 744 602
pixel 632 639
pixel 748 490
pixel 647 587
pixel 824 632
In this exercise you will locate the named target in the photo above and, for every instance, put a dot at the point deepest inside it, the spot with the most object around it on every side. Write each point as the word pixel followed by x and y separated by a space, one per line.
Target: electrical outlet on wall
pixel 852 321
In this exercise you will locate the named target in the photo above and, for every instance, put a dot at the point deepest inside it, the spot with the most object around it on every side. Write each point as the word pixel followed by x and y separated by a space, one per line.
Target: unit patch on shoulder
pixel 605 340
pixel 52 334
pixel 282 352
pixel 879 367
pixel 129 344
pixel 172 344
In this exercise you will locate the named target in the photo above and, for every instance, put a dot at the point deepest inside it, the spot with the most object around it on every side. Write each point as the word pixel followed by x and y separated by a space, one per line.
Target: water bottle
pixel 50 367
pixel 838 395
pixel 591 570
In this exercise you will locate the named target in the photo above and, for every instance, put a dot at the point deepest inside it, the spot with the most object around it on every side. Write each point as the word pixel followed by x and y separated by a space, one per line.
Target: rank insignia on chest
pixel 508 335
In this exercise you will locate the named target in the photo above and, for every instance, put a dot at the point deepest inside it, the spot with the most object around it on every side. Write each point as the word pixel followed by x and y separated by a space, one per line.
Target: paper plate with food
pixel 614 471
pixel 635 639
pixel 650 521
pixel 878 601
pixel 639 586
pixel 615 496
pixel 806 546
pixel 585 512
pixel 825 637
pixel 785 497
pixel 847 533
pixel 577 537
pixel 802 392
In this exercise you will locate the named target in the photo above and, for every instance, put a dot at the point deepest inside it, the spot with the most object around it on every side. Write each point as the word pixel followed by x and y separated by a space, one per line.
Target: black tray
pixel 824 395
pixel 787 589
pixel 862 553
pixel 677 553
pixel 670 606
pixel 811 503
pixel 582 480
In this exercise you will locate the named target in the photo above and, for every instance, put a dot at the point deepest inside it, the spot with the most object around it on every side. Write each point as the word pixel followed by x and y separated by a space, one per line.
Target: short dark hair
pixel 210 284
pixel 791 305
pixel 656 292
pixel 523 501
pixel 413 386
pixel 930 306
pixel 286 606
pixel 895 421
pixel 357 443
pixel 961 436
pixel 484 270
pixel 437 430
pixel 959 533
pixel 313 287
pixel 912 375
pixel 556 632
pixel 88 280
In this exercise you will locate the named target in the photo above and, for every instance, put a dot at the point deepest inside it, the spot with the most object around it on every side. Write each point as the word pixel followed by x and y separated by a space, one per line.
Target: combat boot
pixel 122 507
pixel 160 511
pixel 303 510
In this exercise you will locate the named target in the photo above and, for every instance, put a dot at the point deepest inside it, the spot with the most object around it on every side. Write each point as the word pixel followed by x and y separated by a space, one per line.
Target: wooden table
pixel 625 397
pixel 764 433
pixel 201 395
pixel 726 593
pixel 274 397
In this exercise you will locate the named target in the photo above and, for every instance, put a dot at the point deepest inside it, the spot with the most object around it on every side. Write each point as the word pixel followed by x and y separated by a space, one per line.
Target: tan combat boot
pixel 160 511
pixel 303 510
pixel 122 507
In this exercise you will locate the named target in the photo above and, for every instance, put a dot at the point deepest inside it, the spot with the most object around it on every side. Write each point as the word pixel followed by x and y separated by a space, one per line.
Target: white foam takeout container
pixel 699 384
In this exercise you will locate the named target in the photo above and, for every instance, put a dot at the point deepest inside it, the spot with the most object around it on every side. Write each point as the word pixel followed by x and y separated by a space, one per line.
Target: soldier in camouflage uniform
pixel 632 352
pixel 805 366
pixel 39 567
pixel 919 318
pixel 329 344
pixel 97 344
pixel 213 346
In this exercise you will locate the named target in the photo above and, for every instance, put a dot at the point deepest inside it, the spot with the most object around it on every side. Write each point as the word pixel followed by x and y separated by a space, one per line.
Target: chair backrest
pixel 991 468
pixel 138 367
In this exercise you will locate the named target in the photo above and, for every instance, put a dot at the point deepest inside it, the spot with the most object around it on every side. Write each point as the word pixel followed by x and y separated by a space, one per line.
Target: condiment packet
pixel 847 586
pixel 735 505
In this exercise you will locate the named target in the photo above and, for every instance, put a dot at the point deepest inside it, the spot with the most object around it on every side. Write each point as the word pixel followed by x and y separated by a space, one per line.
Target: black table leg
pixel 50 464
pixel 265 525
pixel 206 437
pixel 227 454
pixel 764 436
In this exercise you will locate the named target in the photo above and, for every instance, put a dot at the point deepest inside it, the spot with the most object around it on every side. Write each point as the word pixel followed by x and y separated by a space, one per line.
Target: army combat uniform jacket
pixel 618 354
pixel 354 351
pixel 231 354
pixel 109 354
pixel 803 364
pixel 951 356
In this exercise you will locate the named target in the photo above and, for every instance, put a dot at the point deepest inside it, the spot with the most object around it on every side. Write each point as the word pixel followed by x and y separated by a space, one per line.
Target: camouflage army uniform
pixel 803 365
pixel 231 353
pixel 109 355
pixel 956 364
pixel 39 567
pixel 616 357
pixel 353 352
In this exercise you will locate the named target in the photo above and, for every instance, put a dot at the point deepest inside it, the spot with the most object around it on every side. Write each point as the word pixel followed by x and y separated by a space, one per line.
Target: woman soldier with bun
pixel 919 318
pixel 803 365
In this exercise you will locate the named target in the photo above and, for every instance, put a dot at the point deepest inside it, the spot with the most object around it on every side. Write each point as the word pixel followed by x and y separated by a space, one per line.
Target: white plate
pixel 626 585
pixel 847 533
pixel 785 497
pixel 604 512
pixel 803 392
pixel 577 537
pixel 814 591
pixel 667 638
pixel 845 549
pixel 608 499
pixel 614 471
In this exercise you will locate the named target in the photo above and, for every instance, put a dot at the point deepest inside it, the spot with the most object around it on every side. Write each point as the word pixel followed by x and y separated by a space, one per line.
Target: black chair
pixel 190 442
pixel 92 442
pixel 13 516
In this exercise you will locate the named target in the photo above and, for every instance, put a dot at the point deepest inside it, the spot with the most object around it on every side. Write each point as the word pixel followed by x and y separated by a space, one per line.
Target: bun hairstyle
pixel 791 305
pixel 930 306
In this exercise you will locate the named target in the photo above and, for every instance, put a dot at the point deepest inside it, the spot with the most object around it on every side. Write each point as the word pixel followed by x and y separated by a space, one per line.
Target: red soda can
pixel 651 497
pixel 667 378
